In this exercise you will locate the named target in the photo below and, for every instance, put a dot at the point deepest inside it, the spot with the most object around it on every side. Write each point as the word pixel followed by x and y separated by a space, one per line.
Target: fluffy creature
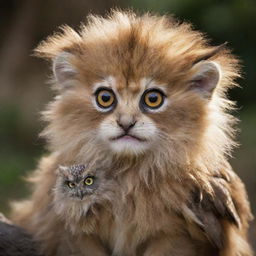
pixel 145 96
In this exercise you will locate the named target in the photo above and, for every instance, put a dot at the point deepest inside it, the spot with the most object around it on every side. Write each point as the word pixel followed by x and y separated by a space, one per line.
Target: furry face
pixel 131 91
pixel 80 189
pixel 77 182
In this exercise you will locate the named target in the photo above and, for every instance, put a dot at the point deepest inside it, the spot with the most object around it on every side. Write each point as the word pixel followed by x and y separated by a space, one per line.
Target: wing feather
pixel 208 210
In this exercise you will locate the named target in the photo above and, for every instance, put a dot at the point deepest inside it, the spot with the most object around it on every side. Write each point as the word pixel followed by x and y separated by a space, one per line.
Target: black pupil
pixel 153 97
pixel 105 97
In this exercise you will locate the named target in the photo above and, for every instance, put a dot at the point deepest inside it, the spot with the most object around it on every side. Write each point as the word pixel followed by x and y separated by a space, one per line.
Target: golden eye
pixel 153 99
pixel 88 181
pixel 105 98
pixel 71 184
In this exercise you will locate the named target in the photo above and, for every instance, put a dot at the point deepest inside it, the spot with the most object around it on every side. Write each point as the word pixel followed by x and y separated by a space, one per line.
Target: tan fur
pixel 154 210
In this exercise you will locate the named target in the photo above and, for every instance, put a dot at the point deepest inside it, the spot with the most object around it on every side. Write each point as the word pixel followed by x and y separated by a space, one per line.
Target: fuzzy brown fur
pixel 179 197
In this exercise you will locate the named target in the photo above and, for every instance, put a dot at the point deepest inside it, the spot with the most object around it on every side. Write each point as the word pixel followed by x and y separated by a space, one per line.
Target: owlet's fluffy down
pixel 80 192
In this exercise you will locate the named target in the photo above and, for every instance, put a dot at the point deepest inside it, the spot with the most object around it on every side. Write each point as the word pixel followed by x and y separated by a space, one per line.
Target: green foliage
pixel 17 153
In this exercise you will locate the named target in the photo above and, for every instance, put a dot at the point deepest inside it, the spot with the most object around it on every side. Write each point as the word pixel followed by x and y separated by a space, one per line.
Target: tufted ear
pixel 62 170
pixel 63 69
pixel 206 76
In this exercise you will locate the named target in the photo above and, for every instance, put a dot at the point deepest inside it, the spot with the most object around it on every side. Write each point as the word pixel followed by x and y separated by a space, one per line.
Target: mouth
pixel 127 137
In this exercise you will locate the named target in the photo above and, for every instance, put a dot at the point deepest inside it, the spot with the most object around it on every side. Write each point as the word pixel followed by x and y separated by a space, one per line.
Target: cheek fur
pixel 183 119
pixel 73 121
pixel 108 129
pixel 79 110
pixel 71 116
pixel 145 128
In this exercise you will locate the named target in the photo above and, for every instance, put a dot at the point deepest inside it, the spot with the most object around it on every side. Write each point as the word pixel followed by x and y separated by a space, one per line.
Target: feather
pixel 208 210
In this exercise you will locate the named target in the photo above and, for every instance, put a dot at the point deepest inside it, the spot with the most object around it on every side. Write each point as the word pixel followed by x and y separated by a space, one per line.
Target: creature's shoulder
pixel 226 204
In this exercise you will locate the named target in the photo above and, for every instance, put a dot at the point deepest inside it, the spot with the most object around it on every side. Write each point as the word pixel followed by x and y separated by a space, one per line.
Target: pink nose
pixel 126 126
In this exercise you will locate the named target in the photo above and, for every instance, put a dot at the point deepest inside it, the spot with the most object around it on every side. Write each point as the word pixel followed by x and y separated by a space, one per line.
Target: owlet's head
pixel 129 85
pixel 77 181
pixel 80 190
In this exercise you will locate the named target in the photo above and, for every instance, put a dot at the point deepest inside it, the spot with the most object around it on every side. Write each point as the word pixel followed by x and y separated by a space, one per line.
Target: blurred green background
pixel 23 78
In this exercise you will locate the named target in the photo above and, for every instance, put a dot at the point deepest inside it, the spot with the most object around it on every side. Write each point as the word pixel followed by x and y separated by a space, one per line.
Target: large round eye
pixel 71 184
pixel 105 98
pixel 153 99
pixel 89 181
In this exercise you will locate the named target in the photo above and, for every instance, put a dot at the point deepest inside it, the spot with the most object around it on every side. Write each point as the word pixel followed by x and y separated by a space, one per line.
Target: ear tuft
pixel 63 170
pixel 205 78
pixel 63 69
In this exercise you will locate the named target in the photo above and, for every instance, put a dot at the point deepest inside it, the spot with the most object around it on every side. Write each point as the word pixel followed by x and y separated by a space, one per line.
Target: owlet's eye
pixel 152 99
pixel 105 98
pixel 89 181
pixel 71 184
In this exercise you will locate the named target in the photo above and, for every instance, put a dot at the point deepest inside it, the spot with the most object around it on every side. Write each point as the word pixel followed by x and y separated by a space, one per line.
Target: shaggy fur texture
pixel 176 193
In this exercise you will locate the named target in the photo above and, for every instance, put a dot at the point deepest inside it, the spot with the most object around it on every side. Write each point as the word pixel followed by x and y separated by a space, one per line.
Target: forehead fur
pixel 131 47
pixel 77 170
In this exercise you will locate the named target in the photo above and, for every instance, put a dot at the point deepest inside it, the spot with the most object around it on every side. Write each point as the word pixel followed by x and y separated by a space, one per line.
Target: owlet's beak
pixel 80 195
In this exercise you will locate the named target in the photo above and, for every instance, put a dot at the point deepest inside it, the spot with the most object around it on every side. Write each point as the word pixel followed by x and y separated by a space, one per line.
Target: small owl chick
pixel 81 192
pixel 77 182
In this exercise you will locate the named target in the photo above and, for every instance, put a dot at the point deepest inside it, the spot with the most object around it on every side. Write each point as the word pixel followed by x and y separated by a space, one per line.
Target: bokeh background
pixel 24 91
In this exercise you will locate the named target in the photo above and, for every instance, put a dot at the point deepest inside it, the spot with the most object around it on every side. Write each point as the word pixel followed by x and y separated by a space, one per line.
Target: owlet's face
pixel 77 181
